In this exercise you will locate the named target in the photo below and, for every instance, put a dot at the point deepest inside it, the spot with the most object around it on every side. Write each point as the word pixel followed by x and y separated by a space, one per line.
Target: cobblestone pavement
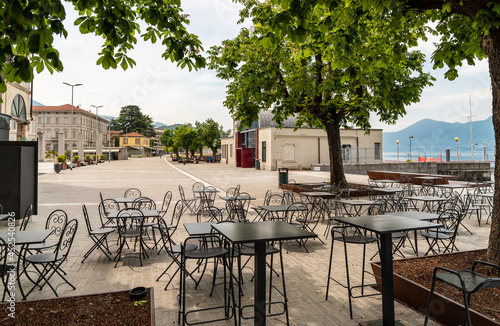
pixel 306 273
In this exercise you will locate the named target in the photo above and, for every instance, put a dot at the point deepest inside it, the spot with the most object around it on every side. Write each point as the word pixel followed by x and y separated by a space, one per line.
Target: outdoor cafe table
pixel 447 189
pixel 384 182
pixel 354 204
pixel 195 229
pixel 260 233
pixel 384 226
pixel 274 209
pixel 427 200
pixel 312 196
pixel 125 200
pixel 24 239
pixel 145 213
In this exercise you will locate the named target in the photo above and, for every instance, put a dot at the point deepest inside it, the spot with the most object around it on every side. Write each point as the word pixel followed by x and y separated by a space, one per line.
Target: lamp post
pixel 397 142
pixel 126 143
pixel 109 142
pixel 96 129
pixel 71 130
pixel 456 140
pixel 411 157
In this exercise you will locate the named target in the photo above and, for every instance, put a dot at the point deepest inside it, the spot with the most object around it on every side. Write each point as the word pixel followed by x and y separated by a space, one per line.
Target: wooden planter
pixel 78 163
pixel 64 166
pixel 89 162
pixel 444 310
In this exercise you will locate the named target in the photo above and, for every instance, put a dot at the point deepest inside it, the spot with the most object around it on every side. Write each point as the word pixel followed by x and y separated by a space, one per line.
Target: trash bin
pixel 257 164
pixel 282 176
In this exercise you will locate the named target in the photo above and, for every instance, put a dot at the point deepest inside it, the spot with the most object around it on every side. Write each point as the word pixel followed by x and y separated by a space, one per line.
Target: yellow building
pixel 135 144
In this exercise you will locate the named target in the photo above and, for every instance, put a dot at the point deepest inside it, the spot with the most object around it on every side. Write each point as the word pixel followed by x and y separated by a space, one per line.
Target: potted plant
pixel 94 159
pixel 102 157
pixel 61 163
pixel 76 160
pixel 87 159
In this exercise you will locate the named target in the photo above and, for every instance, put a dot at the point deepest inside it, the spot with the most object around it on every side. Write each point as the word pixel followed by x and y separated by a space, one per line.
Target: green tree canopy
pixel 167 140
pixel 28 29
pixel 210 133
pixel 309 75
pixel 131 119
pixel 185 137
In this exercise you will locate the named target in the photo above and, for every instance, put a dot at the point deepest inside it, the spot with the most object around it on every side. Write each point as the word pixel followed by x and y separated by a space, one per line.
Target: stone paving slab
pixel 306 273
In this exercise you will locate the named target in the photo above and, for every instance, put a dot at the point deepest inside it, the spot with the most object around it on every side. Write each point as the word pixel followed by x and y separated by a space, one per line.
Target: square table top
pixel 423 216
pixel 227 198
pixel 205 190
pixel 318 194
pixel 274 208
pixel 261 232
pixel 354 201
pixel 202 228
pixel 390 190
pixel 452 186
pixel 383 224
pixel 427 198
pixel 145 212
pixel 126 200
pixel 27 237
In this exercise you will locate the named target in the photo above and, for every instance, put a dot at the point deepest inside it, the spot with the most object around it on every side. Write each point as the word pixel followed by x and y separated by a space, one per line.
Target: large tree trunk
pixel 491 45
pixel 337 176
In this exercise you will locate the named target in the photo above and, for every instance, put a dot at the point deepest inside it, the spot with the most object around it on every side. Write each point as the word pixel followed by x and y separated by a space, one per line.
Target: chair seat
pixel 205 253
pixel 41 246
pixel 131 234
pixel 435 235
pixel 357 239
pixel 176 249
pixel 471 280
pixel 102 231
pixel 43 258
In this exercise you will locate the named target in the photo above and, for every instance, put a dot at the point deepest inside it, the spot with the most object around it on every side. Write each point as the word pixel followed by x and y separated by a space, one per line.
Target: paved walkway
pixel 306 272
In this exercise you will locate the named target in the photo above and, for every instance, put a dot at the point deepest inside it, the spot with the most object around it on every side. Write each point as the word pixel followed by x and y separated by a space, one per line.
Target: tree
pixel 308 75
pixel 210 133
pixel 28 29
pixel 167 139
pixel 132 119
pixel 468 29
pixel 185 137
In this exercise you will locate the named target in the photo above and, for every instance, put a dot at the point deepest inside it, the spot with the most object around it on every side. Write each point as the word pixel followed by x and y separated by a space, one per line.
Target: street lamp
pixel 71 130
pixel 411 158
pixel 456 140
pixel 397 142
pixel 96 128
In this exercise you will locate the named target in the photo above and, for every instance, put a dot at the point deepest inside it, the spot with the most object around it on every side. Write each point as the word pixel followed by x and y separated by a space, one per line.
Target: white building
pixel 15 119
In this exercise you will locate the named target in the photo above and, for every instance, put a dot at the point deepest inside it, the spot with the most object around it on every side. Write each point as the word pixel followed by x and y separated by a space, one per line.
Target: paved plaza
pixel 306 273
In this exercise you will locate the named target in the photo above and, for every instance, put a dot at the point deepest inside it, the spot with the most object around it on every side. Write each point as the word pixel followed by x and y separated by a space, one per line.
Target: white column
pixel 79 144
pixel 41 146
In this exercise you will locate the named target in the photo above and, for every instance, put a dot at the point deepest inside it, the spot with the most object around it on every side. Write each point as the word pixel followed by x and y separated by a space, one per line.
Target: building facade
pixel 304 148
pixel 15 115
pixel 135 144
pixel 54 129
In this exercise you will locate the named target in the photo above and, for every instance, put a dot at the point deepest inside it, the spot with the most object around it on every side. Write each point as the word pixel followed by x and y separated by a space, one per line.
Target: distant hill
pixel 107 117
pixel 433 135
pixel 162 126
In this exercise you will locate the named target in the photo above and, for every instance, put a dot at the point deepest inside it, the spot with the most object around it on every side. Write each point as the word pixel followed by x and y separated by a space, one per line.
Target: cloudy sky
pixel 173 95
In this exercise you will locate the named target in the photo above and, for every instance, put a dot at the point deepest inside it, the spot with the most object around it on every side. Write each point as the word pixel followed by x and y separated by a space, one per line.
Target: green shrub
pixel 87 157
pixel 102 156
pixel 61 158
pixel 93 157
pixel 76 158
pixel 67 153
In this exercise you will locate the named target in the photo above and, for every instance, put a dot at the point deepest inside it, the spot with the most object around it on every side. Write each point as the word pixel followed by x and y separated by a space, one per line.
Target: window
pixel 125 141
pixel 74 120
pixel 57 120
pixel 289 153
pixel 65 134
pixel 48 120
pixel 137 141
pixel 40 119
pixel 264 147
pixel 377 151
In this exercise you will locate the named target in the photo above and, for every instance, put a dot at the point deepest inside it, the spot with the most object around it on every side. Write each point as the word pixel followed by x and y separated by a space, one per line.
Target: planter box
pixel 78 163
pixel 89 162
pixel 444 310
pixel 64 166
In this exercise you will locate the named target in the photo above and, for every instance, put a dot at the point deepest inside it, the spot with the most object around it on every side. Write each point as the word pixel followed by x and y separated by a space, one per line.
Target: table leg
pixel 387 279
pixel 260 284
pixel 416 243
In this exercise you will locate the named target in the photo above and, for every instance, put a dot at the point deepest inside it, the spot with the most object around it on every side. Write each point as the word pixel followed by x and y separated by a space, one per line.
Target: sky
pixel 173 95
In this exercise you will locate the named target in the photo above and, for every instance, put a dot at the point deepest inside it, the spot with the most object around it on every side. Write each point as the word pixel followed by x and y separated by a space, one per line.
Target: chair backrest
pixel 66 239
pixel 1 209
pixel 232 192
pixel 144 203
pixel 87 219
pixel 100 196
pixel 296 211
pixel 345 193
pixel 129 219
pixel 132 193
pixel 197 186
pixel 165 233
pixel 181 192
pixel 4 252
pixel 176 215
pixel 26 218
pixel 209 214
pixel 450 219
pixel 56 221
pixel 166 202
pixel 276 199
pixel 209 194
pixel 266 197
pixel 105 207
pixel 377 208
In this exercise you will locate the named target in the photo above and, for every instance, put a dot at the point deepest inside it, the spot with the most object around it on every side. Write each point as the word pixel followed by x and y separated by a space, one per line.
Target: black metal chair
pixel 98 236
pixel 26 218
pixel 209 214
pixel 189 203
pixel 174 222
pixel 4 268
pixel 130 226
pixel 132 193
pixel 49 264
pixel 207 247
pixel 341 233
pixel 166 203
pixel 446 235
pixel 105 206
pixel 56 221
pixel 173 250
pixel 468 281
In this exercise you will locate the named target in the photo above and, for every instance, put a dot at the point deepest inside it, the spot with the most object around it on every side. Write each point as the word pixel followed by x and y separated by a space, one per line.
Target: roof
pixel 63 108
pixel 133 134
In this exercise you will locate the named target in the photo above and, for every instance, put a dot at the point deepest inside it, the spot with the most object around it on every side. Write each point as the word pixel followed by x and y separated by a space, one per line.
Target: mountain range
pixel 431 135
